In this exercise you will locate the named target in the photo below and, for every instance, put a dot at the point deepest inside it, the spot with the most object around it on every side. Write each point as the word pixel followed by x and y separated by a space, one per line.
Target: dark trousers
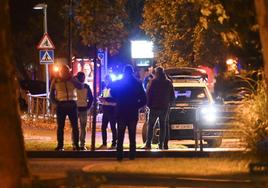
pixel 153 115
pixel 132 125
pixel 67 108
pixel 108 116
pixel 167 137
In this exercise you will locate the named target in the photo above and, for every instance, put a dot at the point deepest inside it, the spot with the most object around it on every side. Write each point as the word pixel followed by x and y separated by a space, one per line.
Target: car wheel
pixel 214 143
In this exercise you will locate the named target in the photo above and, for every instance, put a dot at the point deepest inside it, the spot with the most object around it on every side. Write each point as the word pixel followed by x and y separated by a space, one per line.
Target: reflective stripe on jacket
pixel 109 101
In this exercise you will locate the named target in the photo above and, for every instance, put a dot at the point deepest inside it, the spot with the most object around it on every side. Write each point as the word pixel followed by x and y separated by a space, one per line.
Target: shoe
pixel 160 146
pixel 83 148
pixel 146 147
pixel 58 148
pixel 112 147
pixel 76 148
pixel 102 147
pixel 165 147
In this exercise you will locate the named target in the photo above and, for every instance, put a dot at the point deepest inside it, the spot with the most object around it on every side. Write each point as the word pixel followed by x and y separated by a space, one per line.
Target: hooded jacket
pixel 129 96
pixel 160 93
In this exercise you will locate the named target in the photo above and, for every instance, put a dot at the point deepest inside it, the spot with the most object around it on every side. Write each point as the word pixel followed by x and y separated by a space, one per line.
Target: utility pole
pixel 70 33
pixel 94 113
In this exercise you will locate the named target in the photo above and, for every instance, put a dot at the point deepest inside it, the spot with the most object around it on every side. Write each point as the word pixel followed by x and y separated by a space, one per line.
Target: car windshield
pixel 190 94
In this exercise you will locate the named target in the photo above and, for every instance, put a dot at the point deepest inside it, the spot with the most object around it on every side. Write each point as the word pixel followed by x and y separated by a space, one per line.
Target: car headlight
pixel 208 113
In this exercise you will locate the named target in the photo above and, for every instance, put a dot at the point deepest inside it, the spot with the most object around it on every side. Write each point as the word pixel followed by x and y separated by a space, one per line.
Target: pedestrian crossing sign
pixel 45 43
pixel 46 56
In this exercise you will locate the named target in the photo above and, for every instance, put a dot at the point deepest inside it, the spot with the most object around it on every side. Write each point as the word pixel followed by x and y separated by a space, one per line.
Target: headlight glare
pixel 208 114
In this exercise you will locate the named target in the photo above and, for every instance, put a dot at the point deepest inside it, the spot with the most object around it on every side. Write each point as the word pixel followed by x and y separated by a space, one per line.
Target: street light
pixel 43 6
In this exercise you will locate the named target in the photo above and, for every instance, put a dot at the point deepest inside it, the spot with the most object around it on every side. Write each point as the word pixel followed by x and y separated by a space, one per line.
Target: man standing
pixel 130 97
pixel 160 94
pixel 63 94
pixel 84 101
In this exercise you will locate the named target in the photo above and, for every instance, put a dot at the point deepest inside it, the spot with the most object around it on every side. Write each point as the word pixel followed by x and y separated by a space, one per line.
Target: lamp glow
pixel 40 6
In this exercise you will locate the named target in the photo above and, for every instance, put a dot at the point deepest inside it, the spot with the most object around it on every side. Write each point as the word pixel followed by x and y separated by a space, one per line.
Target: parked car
pixel 193 108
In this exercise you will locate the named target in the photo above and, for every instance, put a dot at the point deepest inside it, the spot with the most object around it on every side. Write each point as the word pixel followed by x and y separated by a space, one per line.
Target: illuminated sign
pixel 86 66
pixel 143 62
pixel 142 49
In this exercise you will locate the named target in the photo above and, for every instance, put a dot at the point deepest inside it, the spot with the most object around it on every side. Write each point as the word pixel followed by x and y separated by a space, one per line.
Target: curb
pixel 139 154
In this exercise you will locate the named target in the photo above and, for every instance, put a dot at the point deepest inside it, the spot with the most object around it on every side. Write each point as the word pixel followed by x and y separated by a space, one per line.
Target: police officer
pixel 108 108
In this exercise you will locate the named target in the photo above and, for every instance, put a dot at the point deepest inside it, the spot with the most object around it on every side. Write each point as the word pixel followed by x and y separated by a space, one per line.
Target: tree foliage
pixel 101 23
pixel 187 32
pixel 242 16
pixel 252 121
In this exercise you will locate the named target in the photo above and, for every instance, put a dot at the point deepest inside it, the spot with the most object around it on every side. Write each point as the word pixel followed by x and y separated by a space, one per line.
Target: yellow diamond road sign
pixel 45 43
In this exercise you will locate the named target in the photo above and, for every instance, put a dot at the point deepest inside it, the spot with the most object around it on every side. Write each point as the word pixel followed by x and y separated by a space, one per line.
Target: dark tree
pixel 12 156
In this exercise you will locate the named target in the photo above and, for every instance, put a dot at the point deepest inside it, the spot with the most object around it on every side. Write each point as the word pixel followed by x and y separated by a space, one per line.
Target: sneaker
pixel 146 147
pixel 83 148
pixel 58 148
pixel 102 147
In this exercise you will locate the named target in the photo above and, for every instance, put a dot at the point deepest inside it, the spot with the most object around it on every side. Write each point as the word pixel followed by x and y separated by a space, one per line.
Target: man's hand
pixel 102 99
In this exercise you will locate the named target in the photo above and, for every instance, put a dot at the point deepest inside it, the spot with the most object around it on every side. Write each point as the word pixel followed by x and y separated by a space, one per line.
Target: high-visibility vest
pixel 107 94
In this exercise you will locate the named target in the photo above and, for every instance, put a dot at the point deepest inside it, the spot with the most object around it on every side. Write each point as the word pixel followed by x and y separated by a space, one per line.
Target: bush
pixel 252 116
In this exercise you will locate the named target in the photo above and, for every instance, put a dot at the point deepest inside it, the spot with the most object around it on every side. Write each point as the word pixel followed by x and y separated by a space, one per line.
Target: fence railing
pixel 37 106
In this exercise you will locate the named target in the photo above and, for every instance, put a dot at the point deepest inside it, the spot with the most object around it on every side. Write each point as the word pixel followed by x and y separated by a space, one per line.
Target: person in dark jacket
pixel 160 94
pixel 130 97
pixel 63 94
pixel 84 101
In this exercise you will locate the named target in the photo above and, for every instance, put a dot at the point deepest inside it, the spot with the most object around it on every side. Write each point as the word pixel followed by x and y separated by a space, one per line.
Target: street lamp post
pixel 43 6
pixel 70 33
